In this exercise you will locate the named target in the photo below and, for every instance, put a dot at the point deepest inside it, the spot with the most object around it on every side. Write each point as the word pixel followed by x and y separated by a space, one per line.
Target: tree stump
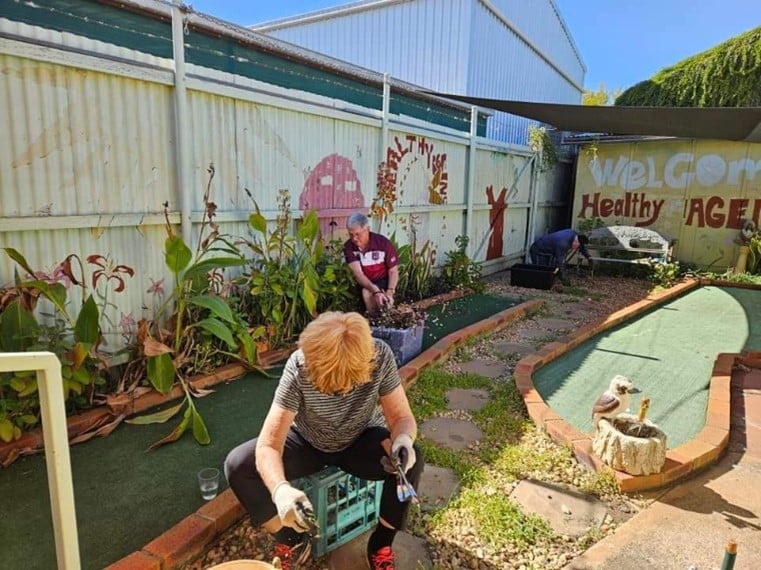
pixel 631 446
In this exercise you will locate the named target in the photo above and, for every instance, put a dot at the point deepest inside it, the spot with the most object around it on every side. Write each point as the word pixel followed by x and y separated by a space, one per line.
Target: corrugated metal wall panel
pixel 504 66
pixel 138 247
pixel 458 46
pixel 78 142
pixel 423 42
pixel 541 21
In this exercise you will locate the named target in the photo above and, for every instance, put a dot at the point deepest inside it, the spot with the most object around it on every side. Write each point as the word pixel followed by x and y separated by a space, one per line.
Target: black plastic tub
pixel 533 276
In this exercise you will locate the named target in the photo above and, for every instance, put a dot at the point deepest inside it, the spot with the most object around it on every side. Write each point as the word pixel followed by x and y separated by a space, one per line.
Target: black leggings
pixel 300 458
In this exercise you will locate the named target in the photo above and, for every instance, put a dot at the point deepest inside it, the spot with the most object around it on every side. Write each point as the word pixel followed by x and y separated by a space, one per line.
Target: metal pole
pixel 184 191
pixel 385 112
pixel 729 556
pixel 534 201
pixel 57 459
pixel 471 179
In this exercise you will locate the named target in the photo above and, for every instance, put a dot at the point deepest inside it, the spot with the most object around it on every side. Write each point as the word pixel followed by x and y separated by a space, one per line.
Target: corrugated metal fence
pixel 99 136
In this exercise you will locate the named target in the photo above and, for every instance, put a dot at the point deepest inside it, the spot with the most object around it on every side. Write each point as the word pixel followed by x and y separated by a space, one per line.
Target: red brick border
pixel 703 450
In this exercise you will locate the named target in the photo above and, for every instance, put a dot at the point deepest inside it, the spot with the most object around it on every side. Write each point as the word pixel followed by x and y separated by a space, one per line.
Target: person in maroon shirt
pixel 373 261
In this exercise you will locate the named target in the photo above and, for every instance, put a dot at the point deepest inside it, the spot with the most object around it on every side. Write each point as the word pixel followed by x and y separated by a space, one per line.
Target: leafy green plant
pixel 416 279
pixel 459 271
pixel 282 279
pixel 665 274
pixel 754 254
pixel 167 344
pixel 540 142
pixel 74 336
pixel 337 286
pixel 589 224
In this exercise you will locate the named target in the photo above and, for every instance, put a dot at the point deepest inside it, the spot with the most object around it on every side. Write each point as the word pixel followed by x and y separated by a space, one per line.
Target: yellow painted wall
pixel 699 192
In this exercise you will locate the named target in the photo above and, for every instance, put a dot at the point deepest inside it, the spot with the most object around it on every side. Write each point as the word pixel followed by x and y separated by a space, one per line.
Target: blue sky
pixel 621 42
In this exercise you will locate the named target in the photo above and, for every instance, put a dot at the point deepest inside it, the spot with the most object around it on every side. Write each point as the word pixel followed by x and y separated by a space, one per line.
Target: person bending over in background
pixel 551 250
pixel 325 412
pixel 373 261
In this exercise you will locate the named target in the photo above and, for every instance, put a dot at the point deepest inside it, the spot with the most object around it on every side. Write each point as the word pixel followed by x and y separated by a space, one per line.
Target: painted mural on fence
pixel 332 184
pixel 496 222
pixel 697 192
pixel 404 154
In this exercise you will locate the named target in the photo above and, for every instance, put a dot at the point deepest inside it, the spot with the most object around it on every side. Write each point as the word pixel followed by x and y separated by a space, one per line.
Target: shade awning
pixel 728 123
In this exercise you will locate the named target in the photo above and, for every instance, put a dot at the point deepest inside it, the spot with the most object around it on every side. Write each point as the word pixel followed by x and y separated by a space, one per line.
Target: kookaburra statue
pixel 614 401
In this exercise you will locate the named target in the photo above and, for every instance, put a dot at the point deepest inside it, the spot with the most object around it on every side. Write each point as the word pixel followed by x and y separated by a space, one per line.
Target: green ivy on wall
pixel 728 75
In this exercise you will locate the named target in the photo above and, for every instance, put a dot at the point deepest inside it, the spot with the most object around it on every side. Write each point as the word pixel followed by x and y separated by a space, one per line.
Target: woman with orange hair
pixel 339 399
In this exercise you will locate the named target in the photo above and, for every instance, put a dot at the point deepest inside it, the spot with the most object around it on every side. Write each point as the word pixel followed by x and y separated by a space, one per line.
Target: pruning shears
pixel 404 490
pixel 310 519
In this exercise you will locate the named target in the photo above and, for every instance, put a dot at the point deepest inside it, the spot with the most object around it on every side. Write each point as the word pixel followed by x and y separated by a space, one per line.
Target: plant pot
pixel 631 446
pixel 532 276
pixel 405 343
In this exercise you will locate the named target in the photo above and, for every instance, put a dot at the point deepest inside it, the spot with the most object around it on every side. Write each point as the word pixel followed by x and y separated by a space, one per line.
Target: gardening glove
pixel 287 499
pixel 403 452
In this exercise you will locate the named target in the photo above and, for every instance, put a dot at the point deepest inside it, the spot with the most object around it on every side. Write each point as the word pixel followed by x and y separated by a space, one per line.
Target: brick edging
pixel 703 450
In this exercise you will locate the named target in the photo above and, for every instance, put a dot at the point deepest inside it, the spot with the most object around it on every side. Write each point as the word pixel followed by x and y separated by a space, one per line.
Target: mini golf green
pixel 126 497
pixel 668 353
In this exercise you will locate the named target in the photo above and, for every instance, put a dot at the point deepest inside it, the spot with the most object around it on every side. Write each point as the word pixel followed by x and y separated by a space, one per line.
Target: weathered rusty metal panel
pixel 77 142
pixel 698 192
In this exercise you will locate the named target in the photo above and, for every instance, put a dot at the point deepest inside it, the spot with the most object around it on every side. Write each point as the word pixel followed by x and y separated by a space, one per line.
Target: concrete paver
pixel 553 324
pixel 437 486
pixel 534 334
pixel 470 400
pixel 567 511
pixel 485 367
pixel 451 433
pixel 518 349
pixel 409 551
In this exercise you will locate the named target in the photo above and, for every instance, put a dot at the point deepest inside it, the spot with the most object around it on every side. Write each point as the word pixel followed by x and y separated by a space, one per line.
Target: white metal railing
pixel 57 459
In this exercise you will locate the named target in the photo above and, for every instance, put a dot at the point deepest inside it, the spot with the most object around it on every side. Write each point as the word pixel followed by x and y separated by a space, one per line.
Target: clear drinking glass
pixel 208 482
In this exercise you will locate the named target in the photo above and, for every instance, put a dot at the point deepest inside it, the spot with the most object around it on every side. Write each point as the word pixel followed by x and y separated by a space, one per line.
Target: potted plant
pixel 401 327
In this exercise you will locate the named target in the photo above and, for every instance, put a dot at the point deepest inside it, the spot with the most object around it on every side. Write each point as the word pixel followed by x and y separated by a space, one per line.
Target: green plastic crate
pixel 346 506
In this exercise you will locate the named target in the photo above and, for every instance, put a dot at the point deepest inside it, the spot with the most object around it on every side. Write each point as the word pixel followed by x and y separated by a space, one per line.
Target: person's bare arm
pixel 270 444
pixel 396 410
pixel 393 279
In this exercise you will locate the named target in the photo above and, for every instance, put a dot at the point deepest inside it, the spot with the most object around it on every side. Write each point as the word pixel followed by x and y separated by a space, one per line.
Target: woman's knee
pixel 240 462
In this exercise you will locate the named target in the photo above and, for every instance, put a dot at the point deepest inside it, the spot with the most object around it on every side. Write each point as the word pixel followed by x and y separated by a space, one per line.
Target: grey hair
pixel 357 219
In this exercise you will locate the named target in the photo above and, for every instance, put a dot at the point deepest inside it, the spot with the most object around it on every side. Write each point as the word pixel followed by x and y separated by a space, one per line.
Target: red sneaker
pixel 291 557
pixel 383 559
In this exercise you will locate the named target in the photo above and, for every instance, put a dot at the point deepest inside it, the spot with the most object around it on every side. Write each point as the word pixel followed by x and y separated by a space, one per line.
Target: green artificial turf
pixel 668 353
pixel 459 313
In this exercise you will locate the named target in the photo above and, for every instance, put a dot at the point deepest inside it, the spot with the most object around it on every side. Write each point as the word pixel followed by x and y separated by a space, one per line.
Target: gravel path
pixel 591 300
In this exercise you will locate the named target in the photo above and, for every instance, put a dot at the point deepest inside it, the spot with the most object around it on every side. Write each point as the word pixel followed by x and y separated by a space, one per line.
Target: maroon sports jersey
pixel 376 260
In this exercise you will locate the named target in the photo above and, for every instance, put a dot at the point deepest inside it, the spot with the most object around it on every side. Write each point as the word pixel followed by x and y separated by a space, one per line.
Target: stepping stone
pixel 438 485
pixel 555 324
pixel 533 334
pixel 512 348
pixel 461 399
pixel 451 433
pixel 487 368
pixel 410 552
pixel 567 511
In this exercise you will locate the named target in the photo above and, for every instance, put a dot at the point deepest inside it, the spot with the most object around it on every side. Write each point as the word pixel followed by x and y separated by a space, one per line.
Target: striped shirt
pixel 332 422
